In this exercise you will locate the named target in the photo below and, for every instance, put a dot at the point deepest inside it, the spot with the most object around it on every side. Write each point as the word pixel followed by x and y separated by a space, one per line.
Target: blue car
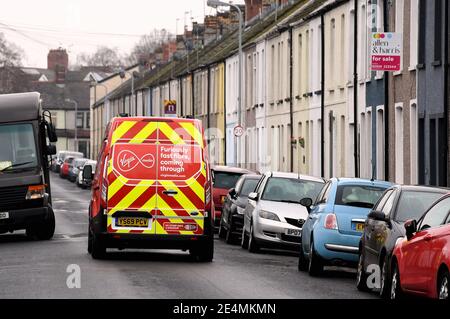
pixel 336 222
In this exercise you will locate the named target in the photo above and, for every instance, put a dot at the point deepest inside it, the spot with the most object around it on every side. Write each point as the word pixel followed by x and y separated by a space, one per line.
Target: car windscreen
pixel 79 162
pixel 358 195
pixel 413 204
pixel 18 147
pixel 225 180
pixel 248 187
pixel 290 189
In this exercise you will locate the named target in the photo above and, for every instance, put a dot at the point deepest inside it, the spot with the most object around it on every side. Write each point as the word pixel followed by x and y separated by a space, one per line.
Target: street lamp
pixel 76 117
pixel 215 4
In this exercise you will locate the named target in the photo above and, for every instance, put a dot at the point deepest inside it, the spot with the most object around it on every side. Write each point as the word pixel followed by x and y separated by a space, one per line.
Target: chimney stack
pixel 58 61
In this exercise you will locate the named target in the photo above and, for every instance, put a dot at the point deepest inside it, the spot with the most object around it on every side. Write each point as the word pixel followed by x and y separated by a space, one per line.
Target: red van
pixel 152 188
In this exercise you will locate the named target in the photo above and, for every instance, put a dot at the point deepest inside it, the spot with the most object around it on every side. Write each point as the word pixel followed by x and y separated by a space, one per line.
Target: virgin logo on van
pixel 128 160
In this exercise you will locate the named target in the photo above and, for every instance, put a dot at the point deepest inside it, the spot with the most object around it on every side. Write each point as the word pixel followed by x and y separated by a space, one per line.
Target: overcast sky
pixel 82 25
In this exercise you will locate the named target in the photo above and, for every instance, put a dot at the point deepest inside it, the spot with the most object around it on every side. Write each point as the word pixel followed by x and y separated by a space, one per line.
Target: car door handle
pixel 170 193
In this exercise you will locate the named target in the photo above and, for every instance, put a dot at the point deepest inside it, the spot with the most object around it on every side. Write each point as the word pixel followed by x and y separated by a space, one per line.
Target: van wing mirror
pixel 51 150
pixel 87 172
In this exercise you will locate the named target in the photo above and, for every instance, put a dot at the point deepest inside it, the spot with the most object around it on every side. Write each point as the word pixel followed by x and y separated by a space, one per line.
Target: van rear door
pixel 181 178
pixel 156 177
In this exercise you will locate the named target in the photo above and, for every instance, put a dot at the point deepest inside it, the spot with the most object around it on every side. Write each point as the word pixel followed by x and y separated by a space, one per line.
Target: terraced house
pixel 310 102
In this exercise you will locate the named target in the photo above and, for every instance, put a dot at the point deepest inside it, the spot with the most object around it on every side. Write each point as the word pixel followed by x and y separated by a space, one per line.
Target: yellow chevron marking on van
pixel 171 134
pixel 116 186
pixel 144 133
pixel 180 197
pixel 121 130
pixel 194 132
pixel 132 196
pixel 196 188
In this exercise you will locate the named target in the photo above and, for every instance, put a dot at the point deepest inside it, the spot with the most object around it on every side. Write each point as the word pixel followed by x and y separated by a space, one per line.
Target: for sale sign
pixel 386 51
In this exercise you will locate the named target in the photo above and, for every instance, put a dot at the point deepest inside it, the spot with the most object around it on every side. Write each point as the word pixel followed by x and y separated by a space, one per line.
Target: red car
pixel 421 261
pixel 64 170
pixel 225 178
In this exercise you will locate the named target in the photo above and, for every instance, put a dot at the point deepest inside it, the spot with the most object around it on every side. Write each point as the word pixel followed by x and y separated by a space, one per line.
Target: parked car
pixel 86 182
pixel 75 168
pixel 336 222
pixel 61 156
pixel 274 216
pixel 232 218
pixel 384 226
pixel 421 261
pixel 64 170
pixel 224 178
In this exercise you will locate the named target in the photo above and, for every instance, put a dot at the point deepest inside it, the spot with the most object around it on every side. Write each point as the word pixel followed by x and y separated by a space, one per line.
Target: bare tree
pixel 147 45
pixel 104 56
pixel 10 54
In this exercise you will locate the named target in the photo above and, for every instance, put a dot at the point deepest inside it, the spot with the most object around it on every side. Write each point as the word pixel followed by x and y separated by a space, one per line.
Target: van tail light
pixel 331 222
pixel 208 202
pixel 104 186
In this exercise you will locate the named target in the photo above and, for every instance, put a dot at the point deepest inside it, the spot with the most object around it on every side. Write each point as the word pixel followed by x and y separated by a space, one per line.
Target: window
pixel 422 30
pixel 322 198
pixel 225 180
pixel 358 195
pixel 18 147
pixel 438 26
pixel 383 201
pixel 389 204
pixel 413 204
pixel 248 186
pixel 290 189
pixel 88 119
pixel 331 63
pixel 413 136
pixel 414 33
pixel 436 216
pixel 80 120
pixel 399 9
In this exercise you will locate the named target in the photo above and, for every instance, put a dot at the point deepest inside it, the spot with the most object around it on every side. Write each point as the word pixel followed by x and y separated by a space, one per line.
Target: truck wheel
pixel 204 252
pixel 98 248
pixel 43 230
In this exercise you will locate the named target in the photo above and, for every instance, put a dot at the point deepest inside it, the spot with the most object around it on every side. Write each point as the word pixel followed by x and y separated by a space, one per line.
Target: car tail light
pixel 331 222
pixel 35 192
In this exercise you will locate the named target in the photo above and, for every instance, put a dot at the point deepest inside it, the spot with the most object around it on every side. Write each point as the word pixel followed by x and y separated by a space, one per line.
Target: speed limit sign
pixel 238 131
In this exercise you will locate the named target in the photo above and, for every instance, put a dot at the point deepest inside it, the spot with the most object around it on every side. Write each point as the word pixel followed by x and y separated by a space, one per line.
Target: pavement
pixel 38 269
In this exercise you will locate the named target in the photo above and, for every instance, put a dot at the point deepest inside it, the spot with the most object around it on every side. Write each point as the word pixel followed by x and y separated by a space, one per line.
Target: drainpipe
pixel 291 103
pixel 322 98
pixel 446 80
pixel 224 113
pixel 386 100
pixel 355 90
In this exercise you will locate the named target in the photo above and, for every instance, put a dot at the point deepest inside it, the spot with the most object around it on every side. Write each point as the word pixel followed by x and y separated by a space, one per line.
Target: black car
pixel 232 218
pixel 384 226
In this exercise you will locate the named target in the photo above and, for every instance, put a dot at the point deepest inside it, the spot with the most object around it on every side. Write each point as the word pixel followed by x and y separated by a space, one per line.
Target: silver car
pixel 274 217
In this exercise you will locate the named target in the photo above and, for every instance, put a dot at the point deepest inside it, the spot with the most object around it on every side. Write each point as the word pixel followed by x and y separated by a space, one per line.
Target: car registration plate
pixel 137 222
pixel 294 232
pixel 4 215
pixel 359 227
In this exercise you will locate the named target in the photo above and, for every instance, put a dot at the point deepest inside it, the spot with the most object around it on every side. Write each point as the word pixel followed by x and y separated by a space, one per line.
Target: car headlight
pixel 35 192
pixel 268 215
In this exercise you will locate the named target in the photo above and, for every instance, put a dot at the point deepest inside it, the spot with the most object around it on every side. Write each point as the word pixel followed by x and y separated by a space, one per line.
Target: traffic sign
pixel 170 107
pixel 238 131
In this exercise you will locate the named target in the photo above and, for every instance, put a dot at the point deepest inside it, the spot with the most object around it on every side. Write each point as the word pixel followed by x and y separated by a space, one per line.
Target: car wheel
pixel 302 261
pixel 98 248
pixel 443 285
pixel 204 252
pixel 396 289
pixel 361 276
pixel 385 280
pixel 315 266
pixel 253 246
pixel 244 239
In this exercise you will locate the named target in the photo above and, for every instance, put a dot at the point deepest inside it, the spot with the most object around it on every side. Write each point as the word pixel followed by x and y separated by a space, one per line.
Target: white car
pixel 274 217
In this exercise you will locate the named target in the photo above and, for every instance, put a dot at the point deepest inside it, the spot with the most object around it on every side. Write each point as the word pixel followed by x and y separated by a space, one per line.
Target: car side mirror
pixel 377 215
pixel 232 193
pixel 253 196
pixel 411 228
pixel 87 172
pixel 51 149
pixel 307 202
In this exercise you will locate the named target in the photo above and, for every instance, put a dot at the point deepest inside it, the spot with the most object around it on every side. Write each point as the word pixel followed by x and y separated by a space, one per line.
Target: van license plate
pixel 4 215
pixel 132 222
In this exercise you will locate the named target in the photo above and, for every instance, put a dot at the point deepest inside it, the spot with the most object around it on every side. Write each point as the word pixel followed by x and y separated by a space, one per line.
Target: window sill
pixel 436 63
pixel 397 73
